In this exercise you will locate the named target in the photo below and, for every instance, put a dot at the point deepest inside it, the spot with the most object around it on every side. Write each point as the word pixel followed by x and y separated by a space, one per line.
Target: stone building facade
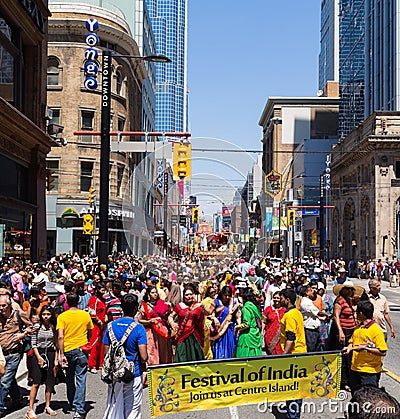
pixel 365 192
pixel 295 132
pixel 77 165
pixel 24 143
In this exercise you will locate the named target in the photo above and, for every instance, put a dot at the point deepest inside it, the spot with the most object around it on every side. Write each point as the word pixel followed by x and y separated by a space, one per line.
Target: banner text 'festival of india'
pixel 211 385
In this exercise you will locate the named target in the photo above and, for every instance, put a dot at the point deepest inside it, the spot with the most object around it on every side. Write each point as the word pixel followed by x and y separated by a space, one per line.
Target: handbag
pixel 26 342
pixel 59 375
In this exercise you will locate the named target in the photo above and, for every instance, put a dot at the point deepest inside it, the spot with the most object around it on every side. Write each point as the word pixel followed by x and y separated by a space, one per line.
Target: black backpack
pixel 59 306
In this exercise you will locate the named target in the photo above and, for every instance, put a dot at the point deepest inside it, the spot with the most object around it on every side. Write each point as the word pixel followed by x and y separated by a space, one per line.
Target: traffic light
pixel 291 217
pixel 88 224
pixel 182 161
pixel 195 216
pixel 50 179
pixel 92 195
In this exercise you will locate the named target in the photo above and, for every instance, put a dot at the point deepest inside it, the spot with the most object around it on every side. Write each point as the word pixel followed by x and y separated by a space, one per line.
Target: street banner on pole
pixel 215 384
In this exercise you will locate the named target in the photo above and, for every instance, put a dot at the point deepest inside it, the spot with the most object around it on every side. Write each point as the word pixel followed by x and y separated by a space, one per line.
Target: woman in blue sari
pixel 227 314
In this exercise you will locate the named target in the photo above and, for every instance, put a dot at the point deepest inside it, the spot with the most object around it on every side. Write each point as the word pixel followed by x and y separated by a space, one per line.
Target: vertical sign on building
pixel 91 54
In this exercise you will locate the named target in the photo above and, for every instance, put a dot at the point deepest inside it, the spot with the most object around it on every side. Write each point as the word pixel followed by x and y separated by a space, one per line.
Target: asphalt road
pixel 315 409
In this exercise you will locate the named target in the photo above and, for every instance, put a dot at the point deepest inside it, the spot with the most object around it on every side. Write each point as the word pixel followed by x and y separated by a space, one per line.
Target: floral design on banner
pixel 165 397
pixel 324 381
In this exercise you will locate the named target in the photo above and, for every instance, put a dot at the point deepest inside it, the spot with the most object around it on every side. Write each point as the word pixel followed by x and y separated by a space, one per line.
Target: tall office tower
pixel 351 64
pixel 329 53
pixel 382 76
pixel 169 21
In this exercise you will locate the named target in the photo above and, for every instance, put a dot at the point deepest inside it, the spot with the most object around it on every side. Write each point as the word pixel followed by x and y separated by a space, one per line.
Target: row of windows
pixel 86 122
pixel 54 75
pixel 86 175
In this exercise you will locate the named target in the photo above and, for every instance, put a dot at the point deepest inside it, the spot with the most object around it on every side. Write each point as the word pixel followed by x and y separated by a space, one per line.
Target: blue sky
pixel 239 54
pixel 242 52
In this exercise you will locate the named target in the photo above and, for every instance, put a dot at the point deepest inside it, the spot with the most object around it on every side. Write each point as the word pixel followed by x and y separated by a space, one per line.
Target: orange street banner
pixel 222 383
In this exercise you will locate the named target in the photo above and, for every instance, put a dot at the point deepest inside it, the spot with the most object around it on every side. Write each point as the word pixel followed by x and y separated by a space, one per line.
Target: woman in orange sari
pixel 153 315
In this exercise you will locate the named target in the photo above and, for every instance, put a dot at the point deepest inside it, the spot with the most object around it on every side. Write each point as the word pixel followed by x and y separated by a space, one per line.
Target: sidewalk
pixel 22 370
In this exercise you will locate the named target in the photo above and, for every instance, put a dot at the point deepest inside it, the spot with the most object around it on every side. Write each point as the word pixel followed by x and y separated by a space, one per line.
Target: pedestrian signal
pixel 182 160
pixel 88 224
pixel 195 216
pixel 291 217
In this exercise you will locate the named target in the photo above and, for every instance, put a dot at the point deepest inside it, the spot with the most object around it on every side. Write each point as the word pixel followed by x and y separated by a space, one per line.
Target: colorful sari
pixel 326 325
pixel 225 345
pixel 250 339
pixel 272 333
pixel 190 335
pixel 96 308
pixel 159 344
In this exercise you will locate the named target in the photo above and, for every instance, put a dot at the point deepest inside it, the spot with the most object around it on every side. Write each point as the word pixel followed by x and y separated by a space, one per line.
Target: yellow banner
pixel 215 384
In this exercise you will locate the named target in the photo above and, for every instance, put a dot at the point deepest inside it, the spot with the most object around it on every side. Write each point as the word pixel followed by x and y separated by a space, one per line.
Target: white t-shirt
pixel 310 314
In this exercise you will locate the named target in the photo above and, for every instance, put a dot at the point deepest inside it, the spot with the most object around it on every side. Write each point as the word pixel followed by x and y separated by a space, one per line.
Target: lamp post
pixel 321 216
pixel 106 69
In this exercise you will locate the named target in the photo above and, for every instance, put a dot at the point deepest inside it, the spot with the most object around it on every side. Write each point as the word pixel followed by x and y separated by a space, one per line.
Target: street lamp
pixel 106 69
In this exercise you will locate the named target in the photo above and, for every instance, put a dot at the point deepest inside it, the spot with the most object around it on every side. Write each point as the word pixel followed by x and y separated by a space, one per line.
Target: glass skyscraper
pixel 382 87
pixel 169 21
pixel 329 53
pixel 351 64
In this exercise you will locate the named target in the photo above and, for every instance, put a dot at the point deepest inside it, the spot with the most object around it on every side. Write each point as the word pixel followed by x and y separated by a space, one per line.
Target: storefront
pixel 24 143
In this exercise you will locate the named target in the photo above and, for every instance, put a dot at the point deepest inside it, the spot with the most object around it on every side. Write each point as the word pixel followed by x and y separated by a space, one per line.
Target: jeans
pixel 8 383
pixel 76 374
pixel 313 340
pixel 360 379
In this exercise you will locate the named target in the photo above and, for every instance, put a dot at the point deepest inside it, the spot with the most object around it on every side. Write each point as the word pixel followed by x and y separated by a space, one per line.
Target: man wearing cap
pixel 381 307
pixel 84 296
pixel 341 276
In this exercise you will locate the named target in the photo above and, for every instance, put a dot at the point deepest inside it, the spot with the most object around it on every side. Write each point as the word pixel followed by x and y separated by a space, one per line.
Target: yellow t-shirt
pixel 292 321
pixel 364 361
pixel 75 323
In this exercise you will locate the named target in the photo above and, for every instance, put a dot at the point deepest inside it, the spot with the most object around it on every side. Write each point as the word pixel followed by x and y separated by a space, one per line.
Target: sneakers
pixel 93 370
pixel 79 416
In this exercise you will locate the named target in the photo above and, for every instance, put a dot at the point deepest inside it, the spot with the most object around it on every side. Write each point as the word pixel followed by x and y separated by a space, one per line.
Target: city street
pixel 97 391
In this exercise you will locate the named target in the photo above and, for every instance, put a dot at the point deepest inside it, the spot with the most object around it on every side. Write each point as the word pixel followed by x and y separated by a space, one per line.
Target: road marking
pixel 391 374
pixel 234 412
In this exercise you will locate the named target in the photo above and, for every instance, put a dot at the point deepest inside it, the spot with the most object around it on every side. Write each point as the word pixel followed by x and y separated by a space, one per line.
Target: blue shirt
pixel 137 337
pixel 84 300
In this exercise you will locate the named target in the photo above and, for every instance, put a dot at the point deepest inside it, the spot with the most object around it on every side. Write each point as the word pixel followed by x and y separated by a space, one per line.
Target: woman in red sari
pixel 190 328
pixel 153 315
pixel 272 318
pixel 97 311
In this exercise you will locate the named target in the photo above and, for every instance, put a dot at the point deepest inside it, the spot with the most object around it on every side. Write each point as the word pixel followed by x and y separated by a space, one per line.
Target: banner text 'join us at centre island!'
pixel 216 384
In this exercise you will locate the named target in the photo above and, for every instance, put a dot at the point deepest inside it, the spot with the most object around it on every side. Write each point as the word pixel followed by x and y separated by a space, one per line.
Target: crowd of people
pixel 175 310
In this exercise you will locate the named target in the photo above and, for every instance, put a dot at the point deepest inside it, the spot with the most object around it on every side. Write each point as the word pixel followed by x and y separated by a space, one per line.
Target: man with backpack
pixel 125 349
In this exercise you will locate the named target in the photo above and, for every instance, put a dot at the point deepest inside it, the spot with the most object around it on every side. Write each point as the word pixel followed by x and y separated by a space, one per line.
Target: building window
pixel 87 118
pixel 55 118
pixel 53 166
pixel 397 169
pixel 119 82
pixel 53 71
pixel 120 176
pixel 86 175
pixel 121 126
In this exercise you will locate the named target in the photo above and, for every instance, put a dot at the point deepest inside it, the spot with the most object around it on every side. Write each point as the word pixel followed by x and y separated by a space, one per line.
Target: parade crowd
pixel 176 310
